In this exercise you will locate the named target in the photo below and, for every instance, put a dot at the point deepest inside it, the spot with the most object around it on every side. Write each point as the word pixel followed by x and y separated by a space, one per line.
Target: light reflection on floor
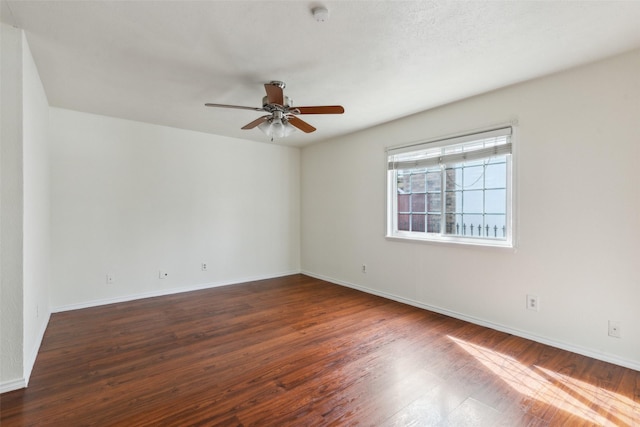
pixel 587 401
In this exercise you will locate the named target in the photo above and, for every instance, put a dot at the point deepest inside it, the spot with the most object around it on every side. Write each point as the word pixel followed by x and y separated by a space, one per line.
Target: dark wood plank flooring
pixel 303 352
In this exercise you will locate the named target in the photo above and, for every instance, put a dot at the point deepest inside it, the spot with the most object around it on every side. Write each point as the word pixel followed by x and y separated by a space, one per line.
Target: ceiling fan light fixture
pixel 276 128
pixel 287 129
pixel 266 127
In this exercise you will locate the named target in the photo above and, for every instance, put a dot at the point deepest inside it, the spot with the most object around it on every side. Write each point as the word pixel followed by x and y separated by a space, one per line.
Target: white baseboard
pixel 163 292
pixel 31 361
pixel 12 385
pixel 28 363
pixel 631 364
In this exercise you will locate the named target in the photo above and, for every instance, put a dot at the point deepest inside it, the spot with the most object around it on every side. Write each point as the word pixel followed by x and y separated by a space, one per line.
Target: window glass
pixel 459 191
pixel 495 201
pixel 418 202
pixel 417 222
pixel 418 182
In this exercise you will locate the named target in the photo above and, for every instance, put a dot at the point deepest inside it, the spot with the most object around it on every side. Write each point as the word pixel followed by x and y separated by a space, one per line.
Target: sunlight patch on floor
pixel 577 397
pixel 621 407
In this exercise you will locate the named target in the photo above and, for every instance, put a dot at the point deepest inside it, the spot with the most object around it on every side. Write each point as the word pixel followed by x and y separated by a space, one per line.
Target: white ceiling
pixel 160 61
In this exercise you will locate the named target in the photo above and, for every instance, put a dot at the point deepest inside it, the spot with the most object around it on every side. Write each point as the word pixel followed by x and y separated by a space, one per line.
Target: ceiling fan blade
pixel 320 109
pixel 239 107
pixel 256 122
pixel 274 94
pixel 300 124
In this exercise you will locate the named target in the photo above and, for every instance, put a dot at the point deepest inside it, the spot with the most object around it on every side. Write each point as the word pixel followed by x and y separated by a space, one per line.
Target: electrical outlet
pixel 109 279
pixel 614 328
pixel 203 266
pixel 533 303
pixel 364 268
pixel 163 274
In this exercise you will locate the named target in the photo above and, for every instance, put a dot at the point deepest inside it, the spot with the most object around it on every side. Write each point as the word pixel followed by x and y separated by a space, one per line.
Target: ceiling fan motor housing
pixel 270 107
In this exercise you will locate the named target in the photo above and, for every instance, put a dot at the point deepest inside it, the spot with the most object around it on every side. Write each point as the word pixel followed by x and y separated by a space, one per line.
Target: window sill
pixel 454 241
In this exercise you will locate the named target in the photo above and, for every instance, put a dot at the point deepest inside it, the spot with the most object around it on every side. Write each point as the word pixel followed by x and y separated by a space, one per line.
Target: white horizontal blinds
pixel 458 149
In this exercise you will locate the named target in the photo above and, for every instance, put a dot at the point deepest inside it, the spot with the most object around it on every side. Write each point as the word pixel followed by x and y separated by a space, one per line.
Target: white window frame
pixel 392 232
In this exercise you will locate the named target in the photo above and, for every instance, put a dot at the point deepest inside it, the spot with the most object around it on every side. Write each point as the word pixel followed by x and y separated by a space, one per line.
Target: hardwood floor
pixel 300 351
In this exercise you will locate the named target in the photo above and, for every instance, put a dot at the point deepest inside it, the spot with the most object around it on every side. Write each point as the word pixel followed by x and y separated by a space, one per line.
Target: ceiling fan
pixel 281 119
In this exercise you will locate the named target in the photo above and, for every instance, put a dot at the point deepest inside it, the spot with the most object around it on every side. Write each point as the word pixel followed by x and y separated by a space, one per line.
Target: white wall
pixel 129 199
pixel 25 219
pixel 36 216
pixel 11 226
pixel 578 223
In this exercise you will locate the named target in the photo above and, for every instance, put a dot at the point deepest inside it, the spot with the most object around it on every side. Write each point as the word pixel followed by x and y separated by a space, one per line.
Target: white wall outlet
pixel 203 266
pixel 614 328
pixel 109 279
pixel 533 302
pixel 163 274
pixel 364 268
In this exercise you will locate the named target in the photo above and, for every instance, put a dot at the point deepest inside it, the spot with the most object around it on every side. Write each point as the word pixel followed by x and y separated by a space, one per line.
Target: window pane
pixel 496 225
pixel 404 185
pixel 418 183
pixel 433 223
pixel 434 181
pixel 454 201
pixel 495 201
pixel 418 202
pixel 434 202
pixel 417 222
pixel 496 175
pixel 403 222
pixel 453 224
pixel 403 202
pixel 472 177
pixel 472 225
pixel 472 201
pixel 454 179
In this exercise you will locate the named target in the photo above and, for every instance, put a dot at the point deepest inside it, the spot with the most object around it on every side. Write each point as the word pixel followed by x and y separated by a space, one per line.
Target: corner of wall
pixel 36 255
pixel 11 201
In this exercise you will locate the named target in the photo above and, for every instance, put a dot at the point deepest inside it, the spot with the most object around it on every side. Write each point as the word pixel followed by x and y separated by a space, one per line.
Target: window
pixel 454 190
